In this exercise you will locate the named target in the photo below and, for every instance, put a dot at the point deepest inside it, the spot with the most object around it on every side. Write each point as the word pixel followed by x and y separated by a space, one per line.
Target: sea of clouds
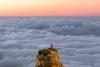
pixel 77 38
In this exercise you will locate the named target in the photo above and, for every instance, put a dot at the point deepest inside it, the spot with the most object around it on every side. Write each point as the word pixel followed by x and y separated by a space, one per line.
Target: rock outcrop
pixel 48 57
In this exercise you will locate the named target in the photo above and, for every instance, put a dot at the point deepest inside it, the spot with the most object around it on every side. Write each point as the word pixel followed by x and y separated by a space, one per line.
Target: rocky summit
pixel 48 57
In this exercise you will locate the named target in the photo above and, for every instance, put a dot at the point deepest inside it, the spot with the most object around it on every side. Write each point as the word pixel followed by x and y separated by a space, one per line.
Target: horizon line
pixel 54 16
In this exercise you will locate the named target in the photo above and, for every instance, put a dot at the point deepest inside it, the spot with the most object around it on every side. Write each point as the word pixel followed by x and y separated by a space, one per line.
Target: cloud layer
pixel 58 25
pixel 77 39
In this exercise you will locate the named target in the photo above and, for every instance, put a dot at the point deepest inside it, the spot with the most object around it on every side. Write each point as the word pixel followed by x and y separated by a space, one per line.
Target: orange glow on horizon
pixel 49 7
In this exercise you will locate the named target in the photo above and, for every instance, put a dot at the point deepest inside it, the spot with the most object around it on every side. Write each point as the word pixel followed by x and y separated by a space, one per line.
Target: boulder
pixel 48 57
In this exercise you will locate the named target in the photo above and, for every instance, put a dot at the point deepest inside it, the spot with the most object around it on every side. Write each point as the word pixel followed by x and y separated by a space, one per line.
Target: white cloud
pixel 20 40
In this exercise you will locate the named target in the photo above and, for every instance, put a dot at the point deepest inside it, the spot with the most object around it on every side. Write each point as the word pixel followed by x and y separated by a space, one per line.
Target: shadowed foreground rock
pixel 48 57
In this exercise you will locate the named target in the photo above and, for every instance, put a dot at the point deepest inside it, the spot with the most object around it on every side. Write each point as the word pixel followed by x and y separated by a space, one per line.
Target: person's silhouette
pixel 51 45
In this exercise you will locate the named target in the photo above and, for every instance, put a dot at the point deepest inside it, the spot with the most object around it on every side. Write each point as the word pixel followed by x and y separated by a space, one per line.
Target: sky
pixel 49 7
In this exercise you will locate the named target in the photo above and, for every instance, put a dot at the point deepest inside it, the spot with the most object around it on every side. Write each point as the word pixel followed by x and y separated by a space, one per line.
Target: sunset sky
pixel 49 7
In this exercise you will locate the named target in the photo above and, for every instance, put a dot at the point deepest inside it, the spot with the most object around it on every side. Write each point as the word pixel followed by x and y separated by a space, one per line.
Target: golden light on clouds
pixel 49 7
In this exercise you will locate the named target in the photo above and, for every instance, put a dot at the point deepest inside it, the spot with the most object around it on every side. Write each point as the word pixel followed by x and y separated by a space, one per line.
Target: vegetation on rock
pixel 48 57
